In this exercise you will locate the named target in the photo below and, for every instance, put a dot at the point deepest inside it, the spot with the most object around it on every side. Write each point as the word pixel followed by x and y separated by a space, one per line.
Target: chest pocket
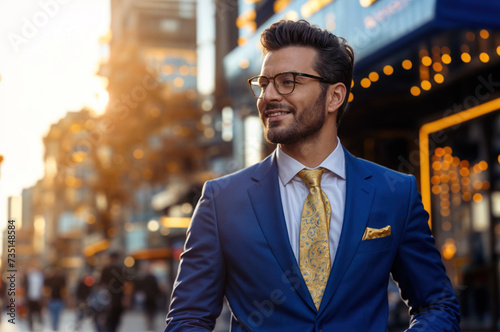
pixel 375 244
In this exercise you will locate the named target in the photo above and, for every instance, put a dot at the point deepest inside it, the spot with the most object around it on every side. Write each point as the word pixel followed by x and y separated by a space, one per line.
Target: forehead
pixel 291 58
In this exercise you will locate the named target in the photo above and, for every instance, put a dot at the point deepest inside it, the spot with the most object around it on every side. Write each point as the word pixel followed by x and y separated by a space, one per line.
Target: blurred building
pixel 64 202
pixel 14 217
pixel 152 71
pixel 425 96
pixel 165 34
pixel 18 234
pixel 128 179
pixel 15 210
pixel 34 204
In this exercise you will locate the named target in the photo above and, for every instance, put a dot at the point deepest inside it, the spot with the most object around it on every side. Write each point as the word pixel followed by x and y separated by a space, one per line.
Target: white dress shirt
pixel 294 192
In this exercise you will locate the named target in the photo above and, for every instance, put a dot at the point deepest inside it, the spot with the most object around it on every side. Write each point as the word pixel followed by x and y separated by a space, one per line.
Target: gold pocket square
pixel 375 233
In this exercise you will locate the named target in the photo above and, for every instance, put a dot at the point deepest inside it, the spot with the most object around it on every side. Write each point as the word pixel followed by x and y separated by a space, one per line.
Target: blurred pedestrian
pixel 55 290
pixel 147 289
pixel 114 280
pixel 33 285
pixel 82 294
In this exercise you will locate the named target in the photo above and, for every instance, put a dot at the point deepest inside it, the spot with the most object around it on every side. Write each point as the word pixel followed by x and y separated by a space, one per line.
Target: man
pixel 55 289
pixel 148 290
pixel 33 284
pixel 115 281
pixel 290 252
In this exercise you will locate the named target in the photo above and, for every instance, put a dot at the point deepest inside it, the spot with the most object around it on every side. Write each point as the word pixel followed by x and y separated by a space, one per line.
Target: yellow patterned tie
pixel 314 253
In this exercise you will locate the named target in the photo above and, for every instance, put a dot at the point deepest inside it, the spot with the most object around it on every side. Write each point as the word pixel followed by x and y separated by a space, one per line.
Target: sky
pixel 49 56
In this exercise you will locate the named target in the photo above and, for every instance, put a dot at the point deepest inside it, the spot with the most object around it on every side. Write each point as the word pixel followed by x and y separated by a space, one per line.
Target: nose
pixel 271 93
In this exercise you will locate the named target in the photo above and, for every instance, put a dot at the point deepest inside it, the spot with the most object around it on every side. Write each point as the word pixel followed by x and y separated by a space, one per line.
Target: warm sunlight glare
pixel 99 97
pixel 101 101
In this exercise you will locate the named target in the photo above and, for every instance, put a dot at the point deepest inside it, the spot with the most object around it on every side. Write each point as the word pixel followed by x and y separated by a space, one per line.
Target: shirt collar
pixel 289 167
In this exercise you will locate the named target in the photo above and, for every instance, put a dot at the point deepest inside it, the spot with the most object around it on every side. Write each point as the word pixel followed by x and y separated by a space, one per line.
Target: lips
pixel 271 114
pixel 275 112
pixel 275 115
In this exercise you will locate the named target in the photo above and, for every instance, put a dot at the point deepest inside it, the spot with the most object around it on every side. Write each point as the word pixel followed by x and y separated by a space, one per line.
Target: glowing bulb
pixel 373 76
pixel 465 57
pixel 426 85
pixel 388 70
pixel 426 61
pixel 415 91
pixel 484 57
pixel 439 78
pixel 365 83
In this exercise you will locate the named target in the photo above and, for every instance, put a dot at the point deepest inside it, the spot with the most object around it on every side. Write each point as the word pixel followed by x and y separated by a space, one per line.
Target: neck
pixel 311 154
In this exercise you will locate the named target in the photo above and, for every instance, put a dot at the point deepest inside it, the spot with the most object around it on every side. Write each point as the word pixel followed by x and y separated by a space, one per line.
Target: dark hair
pixel 335 58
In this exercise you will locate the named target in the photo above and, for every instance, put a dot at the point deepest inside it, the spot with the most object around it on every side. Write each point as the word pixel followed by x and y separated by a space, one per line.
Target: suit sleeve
pixel 421 275
pixel 198 291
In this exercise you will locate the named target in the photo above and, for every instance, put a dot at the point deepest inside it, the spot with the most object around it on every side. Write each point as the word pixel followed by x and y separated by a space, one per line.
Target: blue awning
pixel 447 15
pixel 470 14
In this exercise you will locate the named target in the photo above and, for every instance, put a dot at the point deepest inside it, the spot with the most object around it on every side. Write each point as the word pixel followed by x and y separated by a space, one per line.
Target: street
pixel 132 321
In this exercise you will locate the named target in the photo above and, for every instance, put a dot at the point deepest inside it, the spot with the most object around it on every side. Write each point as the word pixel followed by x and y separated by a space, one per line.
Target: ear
pixel 336 94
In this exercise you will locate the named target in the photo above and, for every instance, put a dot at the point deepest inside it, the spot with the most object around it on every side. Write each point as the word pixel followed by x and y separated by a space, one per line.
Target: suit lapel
pixel 266 202
pixel 359 198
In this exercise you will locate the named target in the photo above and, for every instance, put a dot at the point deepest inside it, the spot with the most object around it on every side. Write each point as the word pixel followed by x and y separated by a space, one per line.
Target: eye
pixel 262 82
pixel 285 80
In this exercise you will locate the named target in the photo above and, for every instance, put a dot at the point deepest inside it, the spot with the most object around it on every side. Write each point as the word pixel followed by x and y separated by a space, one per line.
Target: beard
pixel 305 125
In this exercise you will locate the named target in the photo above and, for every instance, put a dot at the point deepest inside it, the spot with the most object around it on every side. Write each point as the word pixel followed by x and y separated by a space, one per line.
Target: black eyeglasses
pixel 284 83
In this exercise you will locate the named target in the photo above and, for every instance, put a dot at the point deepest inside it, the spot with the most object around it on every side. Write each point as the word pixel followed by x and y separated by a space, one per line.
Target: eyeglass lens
pixel 284 84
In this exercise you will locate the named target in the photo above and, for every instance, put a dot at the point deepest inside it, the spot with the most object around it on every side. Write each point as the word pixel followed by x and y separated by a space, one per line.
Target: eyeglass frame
pixel 295 74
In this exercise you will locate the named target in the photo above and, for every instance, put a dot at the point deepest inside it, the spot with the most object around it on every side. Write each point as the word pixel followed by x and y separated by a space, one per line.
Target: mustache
pixel 278 106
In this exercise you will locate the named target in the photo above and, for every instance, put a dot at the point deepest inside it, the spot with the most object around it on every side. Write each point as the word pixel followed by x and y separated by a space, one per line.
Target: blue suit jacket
pixel 237 247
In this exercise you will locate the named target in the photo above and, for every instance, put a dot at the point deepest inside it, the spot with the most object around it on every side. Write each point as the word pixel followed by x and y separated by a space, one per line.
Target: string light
pixel 373 76
pixel 470 36
pixel 437 66
pixel 365 83
pixel 244 63
pixel 439 78
pixel 426 85
pixel 465 57
pixel 426 61
pixel 242 41
pixel 415 91
pixel 484 57
pixel 388 70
